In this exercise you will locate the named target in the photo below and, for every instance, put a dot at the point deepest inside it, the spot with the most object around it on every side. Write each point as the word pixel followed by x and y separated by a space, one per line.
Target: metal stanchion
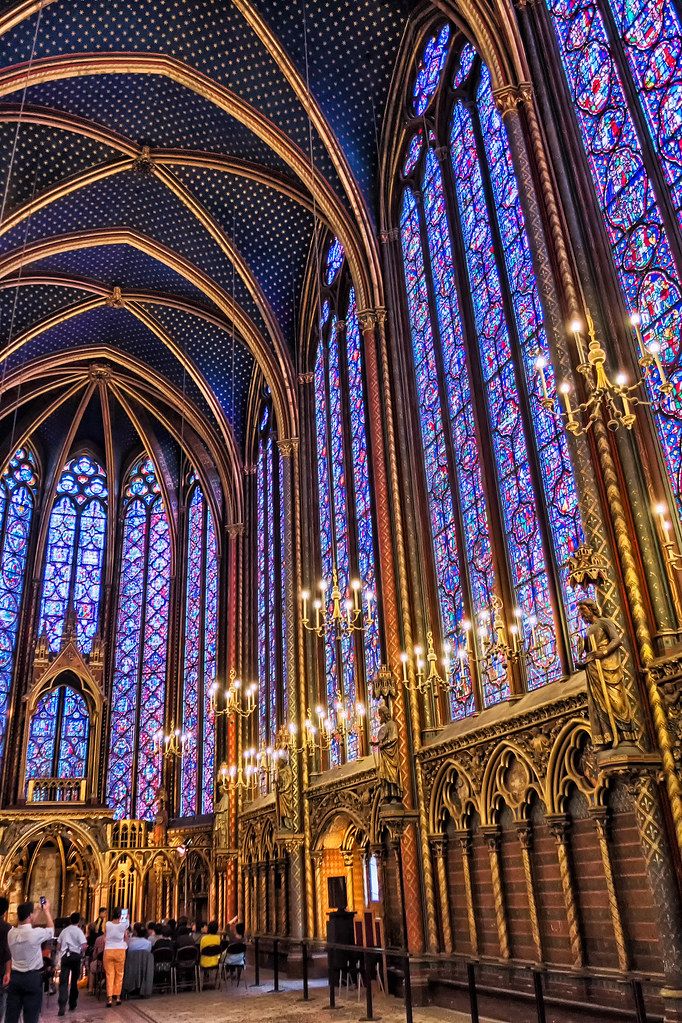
pixel 473 997
pixel 304 950
pixel 539 996
pixel 275 963
pixel 256 963
pixel 332 987
pixel 407 981
pixel 368 990
pixel 638 997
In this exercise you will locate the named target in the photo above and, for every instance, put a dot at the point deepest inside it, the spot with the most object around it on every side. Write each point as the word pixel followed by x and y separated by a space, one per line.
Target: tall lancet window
pixel 502 499
pixel 346 517
pixel 72 580
pixel 623 67
pixel 199 675
pixel 18 485
pixel 270 584
pixel 140 655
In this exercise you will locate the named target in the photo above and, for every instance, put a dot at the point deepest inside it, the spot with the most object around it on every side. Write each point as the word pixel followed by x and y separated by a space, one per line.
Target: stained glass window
pixel 346 526
pixel 58 738
pixel 201 600
pixel 75 553
pixel 17 497
pixel 477 327
pixel 271 584
pixel 611 51
pixel 140 657
pixel 430 69
pixel 334 260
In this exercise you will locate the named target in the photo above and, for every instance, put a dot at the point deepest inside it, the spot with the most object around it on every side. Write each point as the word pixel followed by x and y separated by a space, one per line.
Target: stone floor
pixel 245 1004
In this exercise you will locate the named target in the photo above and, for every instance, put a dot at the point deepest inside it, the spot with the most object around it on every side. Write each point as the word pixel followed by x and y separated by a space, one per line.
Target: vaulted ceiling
pixel 162 166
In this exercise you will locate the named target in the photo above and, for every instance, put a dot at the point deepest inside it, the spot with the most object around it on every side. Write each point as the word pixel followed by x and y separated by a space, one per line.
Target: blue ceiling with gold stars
pixel 160 169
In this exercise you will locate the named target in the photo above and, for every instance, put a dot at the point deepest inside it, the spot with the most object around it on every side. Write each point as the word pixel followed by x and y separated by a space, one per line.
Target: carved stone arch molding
pixel 453 795
pixel 18 838
pixel 573 763
pixel 510 778
pixel 69 666
pixel 360 808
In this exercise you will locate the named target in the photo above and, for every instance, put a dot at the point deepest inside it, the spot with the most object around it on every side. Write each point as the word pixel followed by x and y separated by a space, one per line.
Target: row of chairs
pixel 180 970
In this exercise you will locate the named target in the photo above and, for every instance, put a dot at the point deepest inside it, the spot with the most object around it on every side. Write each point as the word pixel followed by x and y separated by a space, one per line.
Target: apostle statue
pixel 284 793
pixel 160 817
pixel 221 827
pixel 386 752
pixel 608 704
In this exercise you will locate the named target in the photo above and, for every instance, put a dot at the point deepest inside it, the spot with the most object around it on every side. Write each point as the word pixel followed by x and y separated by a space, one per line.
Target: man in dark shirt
pixel 5 957
pixel 100 923
pixel 183 936
pixel 164 938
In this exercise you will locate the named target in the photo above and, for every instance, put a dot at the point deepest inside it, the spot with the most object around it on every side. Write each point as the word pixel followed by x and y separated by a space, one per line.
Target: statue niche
pixel 610 713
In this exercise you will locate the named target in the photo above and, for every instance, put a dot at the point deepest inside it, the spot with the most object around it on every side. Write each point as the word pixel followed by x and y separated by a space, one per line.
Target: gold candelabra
pixel 171 744
pixel 236 700
pixel 346 614
pixel 671 551
pixel 613 400
pixel 241 775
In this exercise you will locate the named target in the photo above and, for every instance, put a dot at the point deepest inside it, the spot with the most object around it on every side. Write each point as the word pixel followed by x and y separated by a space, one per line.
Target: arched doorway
pixel 193 884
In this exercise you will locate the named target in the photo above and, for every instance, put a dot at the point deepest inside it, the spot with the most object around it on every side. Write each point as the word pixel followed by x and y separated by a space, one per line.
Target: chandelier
pixel 171 744
pixel 613 400
pixel 338 614
pixel 236 700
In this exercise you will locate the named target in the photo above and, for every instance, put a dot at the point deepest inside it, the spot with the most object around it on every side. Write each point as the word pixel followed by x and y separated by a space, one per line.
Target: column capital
pixel 510 97
pixel 559 826
pixel 249 470
pixel 524 832
pixel 369 318
pixel 390 236
pixel 235 529
pixel 288 446
pixel 306 378
pixel 439 845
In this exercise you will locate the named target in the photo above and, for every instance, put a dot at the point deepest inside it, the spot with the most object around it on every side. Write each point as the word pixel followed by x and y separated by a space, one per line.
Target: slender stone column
pixel 465 845
pixel 560 828
pixel 317 858
pixel 350 886
pixel 492 837
pixel 525 836
pixel 439 845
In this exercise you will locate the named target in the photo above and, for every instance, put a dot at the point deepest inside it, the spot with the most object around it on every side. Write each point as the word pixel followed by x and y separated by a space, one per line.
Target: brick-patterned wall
pixel 592 896
pixel 547 881
pixel 515 890
pixel 457 892
pixel 484 903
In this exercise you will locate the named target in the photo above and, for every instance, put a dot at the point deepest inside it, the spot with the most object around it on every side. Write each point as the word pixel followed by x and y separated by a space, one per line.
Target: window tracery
pixel 59 734
pixel 346 524
pixel 199 674
pixel 18 486
pixel 74 556
pixel 494 464
pixel 140 656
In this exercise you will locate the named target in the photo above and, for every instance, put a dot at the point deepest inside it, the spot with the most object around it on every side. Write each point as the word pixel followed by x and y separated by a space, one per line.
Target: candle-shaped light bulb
pixel 541 366
pixel 403 661
pixel 565 391
pixel 576 328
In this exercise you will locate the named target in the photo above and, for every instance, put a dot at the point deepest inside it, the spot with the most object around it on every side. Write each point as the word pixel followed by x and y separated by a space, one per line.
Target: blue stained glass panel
pixel 75 553
pixel 363 496
pixel 558 479
pixel 41 736
pixel 210 662
pixel 430 68
pixel 635 228
pixel 193 627
pixel 440 498
pixel 262 594
pixel 284 630
pixel 335 257
pixel 518 500
pixel 17 495
pixel 72 761
pixel 473 510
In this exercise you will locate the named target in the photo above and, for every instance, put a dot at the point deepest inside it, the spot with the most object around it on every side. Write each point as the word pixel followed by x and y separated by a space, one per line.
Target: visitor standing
pixel 72 944
pixel 25 990
pixel 100 923
pixel 5 957
pixel 115 946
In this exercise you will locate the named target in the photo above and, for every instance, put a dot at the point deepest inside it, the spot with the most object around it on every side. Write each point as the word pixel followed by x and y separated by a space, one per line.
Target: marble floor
pixel 246 1004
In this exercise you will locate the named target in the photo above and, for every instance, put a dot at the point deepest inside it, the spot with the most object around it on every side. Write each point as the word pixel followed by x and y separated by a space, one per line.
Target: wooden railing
pixel 56 790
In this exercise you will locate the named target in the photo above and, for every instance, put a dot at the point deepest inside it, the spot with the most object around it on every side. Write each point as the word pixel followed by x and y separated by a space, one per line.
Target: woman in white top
pixel 114 957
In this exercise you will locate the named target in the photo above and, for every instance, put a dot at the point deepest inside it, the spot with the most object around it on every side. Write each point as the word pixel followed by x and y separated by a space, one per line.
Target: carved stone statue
pixel 388 768
pixel 222 817
pixel 284 795
pixel 160 817
pixel 608 704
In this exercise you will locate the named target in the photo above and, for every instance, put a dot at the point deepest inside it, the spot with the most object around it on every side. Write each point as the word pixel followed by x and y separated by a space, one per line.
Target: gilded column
pixel 439 844
pixel 600 816
pixel 492 837
pixel 525 836
pixel 559 827
pixel 464 837
pixel 350 887
pixel 389 522
pixel 317 860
